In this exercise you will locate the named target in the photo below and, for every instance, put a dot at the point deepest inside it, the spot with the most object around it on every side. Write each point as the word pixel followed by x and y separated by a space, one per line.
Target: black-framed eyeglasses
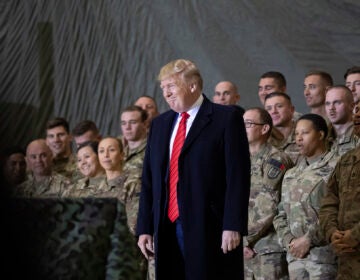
pixel 252 124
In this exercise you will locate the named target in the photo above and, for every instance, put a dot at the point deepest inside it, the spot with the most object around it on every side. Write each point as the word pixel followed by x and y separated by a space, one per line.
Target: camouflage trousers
pixel 349 267
pixel 302 269
pixel 269 266
pixel 151 269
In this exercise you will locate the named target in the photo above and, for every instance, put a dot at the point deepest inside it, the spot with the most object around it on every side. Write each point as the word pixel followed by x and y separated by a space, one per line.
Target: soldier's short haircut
pixel 58 122
pixel 352 70
pixel 145 96
pixel 348 94
pixel 92 144
pixel 264 116
pixel 83 127
pixel 277 76
pixel 277 93
pixel 326 77
pixel 318 121
pixel 135 108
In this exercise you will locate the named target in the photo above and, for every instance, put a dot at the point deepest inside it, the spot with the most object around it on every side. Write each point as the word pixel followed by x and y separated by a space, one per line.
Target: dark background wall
pixel 87 59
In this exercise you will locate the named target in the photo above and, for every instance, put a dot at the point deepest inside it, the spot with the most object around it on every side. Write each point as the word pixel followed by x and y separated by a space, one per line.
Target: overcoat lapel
pixel 202 119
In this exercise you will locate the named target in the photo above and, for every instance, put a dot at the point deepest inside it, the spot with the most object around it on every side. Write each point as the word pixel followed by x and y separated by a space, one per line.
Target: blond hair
pixel 183 69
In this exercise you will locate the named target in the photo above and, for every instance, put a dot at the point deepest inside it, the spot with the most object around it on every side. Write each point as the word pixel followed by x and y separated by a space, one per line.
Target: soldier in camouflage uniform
pixel 148 104
pixel 85 131
pixel 89 166
pixel 12 168
pixel 316 84
pixel 58 138
pixel 120 184
pixel 273 81
pixel 264 257
pixel 297 221
pixel 133 128
pixel 352 81
pixel 134 131
pixel 281 110
pixel 340 214
pixel 339 105
pixel 42 182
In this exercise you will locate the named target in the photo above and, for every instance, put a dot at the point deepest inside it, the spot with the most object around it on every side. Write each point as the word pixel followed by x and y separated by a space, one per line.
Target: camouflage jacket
pixel 134 159
pixel 87 187
pixel 67 167
pixel 53 186
pixel 296 116
pixel 302 190
pixel 287 145
pixel 343 143
pixel 341 206
pixel 125 188
pixel 268 167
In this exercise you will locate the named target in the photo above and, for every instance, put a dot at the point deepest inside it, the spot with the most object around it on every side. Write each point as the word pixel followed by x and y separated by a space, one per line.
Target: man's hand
pixel 336 236
pixel 230 240
pixel 146 245
pixel 299 247
pixel 248 253
pixel 342 242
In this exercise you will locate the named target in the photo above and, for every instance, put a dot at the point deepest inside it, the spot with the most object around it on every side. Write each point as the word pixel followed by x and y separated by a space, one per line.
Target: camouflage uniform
pixel 134 159
pixel 129 193
pixel 268 167
pixel 296 116
pixel 343 143
pixel 302 190
pixel 67 167
pixel 356 119
pixel 86 187
pixel 340 210
pixel 287 145
pixel 53 186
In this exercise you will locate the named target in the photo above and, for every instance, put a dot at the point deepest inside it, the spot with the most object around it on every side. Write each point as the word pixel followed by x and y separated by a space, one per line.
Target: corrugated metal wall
pixel 87 59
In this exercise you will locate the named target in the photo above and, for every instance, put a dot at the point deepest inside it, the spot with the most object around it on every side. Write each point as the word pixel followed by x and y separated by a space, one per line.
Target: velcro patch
pixel 275 168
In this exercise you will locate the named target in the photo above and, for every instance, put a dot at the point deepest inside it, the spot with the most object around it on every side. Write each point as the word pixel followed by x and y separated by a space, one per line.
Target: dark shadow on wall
pixel 21 123
pixel 18 124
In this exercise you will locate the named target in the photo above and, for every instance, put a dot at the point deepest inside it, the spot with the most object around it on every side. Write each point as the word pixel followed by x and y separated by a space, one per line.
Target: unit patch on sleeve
pixel 275 169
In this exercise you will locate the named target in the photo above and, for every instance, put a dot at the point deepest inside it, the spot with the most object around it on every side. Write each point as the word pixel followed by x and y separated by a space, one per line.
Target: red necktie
pixel 173 209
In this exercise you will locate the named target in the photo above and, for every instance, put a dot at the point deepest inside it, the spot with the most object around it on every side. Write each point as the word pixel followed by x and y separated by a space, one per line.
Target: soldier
pixel 148 104
pixel 13 167
pixel 352 81
pixel 281 110
pixel 264 257
pixel 119 184
pixel 226 93
pixel 273 81
pixel 134 133
pixel 269 82
pixel 133 128
pixel 85 131
pixel 42 182
pixel 315 85
pixel 339 105
pixel 340 212
pixel 303 187
pixel 58 138
pixel 89 166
